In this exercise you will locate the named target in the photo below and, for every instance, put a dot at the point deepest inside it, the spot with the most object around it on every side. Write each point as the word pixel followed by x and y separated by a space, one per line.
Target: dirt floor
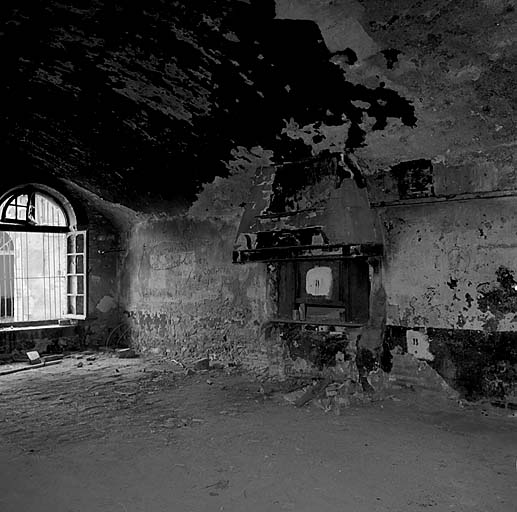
pixel 127 435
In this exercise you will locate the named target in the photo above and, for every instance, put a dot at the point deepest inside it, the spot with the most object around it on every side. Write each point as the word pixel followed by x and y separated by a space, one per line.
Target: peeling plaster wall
pixel 185 297
pixel 119 98
pixel 438 255
pixel 449 271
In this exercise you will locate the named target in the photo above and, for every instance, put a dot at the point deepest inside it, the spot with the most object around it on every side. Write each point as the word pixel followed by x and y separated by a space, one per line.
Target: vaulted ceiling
pixel 146 101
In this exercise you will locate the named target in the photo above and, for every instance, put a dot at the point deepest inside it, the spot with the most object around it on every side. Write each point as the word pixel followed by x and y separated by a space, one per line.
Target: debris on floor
pixel 202 364
pixel 126 353
pixel 34 357
pixel 20 367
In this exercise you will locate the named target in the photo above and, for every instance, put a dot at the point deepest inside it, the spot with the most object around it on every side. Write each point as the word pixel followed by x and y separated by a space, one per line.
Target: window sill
pixel 317 322
pixel 37 326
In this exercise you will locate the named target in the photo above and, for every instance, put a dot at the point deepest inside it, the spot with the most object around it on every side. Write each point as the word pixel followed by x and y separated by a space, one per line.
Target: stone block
pixel 202 364
pixel 34 357
pixel 126 353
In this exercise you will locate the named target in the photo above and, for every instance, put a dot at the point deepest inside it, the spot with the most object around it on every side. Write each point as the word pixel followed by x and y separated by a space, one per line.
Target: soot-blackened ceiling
pixel 124 99
pixel 142 102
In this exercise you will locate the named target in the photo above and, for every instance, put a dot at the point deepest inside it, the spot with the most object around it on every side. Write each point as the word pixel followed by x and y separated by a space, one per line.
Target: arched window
pixel 43 260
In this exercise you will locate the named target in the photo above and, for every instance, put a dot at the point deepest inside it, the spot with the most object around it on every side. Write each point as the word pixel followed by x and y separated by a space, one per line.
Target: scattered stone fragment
pixel 292 396
pixel 126 353
pixel 312 392
pixel 53 357
pixel 80 364
pixel 221 484
pixel 202 364
pixel 91 358
pixel 34 357
pixel 332 389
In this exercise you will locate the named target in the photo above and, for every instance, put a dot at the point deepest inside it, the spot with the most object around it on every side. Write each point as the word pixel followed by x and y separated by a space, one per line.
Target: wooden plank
pixel 358 290
pixel 286 289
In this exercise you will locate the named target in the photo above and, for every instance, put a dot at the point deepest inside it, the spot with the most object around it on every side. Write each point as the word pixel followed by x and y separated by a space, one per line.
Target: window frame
pixel 28 224
pixel 79 276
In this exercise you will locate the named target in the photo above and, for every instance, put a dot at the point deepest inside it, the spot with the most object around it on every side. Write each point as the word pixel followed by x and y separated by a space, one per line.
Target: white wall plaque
pixel 318 281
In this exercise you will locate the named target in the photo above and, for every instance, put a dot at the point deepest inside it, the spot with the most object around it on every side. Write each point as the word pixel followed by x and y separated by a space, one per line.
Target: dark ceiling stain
pixel 392 56
pixel 414 178
pixel 350 57
pixel 124 99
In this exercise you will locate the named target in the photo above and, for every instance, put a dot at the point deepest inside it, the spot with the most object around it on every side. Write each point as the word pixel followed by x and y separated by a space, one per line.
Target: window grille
pixel 42 263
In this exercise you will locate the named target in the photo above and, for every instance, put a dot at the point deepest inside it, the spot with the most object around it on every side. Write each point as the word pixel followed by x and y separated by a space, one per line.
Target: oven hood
pixel 317 207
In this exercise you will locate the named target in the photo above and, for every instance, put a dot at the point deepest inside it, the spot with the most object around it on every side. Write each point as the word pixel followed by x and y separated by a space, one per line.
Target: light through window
pixel 42 260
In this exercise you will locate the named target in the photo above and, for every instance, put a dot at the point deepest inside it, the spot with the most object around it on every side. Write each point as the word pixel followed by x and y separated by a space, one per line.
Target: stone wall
pixel 442 257
pixel 449 268
pixel 184 296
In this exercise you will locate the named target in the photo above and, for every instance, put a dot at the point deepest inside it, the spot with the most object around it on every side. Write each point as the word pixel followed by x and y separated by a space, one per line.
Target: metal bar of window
pixel 46 268
pixel 12 274
pixel 9 283
pixel 3 294
pixel 20 280
pixel 33 280
pixel 26 256
pixel 44 272
pixel 60 273
pixel 55 279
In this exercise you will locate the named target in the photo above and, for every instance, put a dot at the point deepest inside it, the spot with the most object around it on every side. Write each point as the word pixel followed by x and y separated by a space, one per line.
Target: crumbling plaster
pixel 118 99
pixel 183 295
pixel 439 255
pixel 454 63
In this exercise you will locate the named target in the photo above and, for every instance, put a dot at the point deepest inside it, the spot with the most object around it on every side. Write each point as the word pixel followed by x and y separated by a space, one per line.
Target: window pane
pixel 70 267
pixel 21 213
pixel 22 199
pixel 72 284
pixel 71 310
pixel 79 243
pixel 80 284
pixel 47 211
pixel 59 218
pixel 79 264
pixel 79 310
pixel 70 244
pixel 6 243
pixel 11 212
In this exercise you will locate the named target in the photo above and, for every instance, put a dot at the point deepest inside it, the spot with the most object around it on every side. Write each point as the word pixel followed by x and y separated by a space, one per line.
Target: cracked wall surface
pixel 159 115
pixel 183 295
